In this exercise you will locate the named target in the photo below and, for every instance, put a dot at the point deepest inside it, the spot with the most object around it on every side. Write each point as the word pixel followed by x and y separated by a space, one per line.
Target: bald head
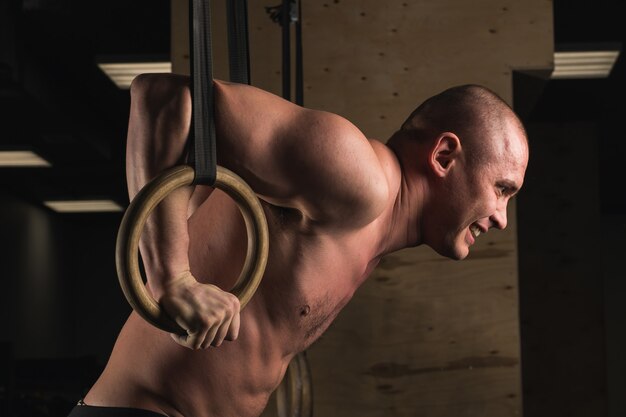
pixel 476 114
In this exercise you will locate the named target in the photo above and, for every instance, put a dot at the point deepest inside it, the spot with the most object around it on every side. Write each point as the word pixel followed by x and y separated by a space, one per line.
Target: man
pixel 335 202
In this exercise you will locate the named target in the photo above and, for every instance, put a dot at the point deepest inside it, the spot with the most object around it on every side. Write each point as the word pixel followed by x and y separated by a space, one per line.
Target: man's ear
pixel 444 152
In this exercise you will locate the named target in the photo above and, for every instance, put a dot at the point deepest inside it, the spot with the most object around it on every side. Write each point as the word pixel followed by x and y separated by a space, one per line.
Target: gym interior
pixel 531 324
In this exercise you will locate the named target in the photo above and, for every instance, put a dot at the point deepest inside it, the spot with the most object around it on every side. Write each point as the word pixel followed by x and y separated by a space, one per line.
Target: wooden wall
pixel 424 336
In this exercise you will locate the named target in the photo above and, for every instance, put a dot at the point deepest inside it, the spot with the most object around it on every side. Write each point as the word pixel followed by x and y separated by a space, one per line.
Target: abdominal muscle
pixel 302 291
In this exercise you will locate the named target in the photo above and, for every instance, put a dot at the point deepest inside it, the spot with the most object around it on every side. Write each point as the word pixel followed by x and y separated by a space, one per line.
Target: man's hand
pixel 209 314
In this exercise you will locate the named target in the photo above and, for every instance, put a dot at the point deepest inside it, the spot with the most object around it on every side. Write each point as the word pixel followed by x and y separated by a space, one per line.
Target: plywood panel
pixel 424 336
pixel 264 37
pixel 374 61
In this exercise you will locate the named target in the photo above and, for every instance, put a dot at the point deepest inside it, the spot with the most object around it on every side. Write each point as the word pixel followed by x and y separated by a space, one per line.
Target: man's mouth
pixel 475 231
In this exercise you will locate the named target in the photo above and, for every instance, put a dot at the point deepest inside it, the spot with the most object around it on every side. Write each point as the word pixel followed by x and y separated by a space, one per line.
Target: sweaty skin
pixel 335 202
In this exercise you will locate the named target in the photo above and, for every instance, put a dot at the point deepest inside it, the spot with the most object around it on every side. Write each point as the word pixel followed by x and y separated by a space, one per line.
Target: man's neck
pixel 401 221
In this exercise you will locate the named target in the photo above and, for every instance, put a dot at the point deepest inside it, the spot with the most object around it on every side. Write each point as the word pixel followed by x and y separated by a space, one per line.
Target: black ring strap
pixel 202 133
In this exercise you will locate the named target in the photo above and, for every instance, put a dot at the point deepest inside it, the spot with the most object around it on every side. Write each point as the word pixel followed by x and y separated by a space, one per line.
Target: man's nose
pixel 498 219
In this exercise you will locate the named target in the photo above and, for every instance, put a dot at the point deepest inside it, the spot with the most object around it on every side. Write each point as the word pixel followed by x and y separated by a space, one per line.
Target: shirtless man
pixel 335 202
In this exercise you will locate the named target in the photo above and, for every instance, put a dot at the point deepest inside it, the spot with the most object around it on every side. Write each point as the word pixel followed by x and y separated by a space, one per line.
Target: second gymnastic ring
pixel 127 246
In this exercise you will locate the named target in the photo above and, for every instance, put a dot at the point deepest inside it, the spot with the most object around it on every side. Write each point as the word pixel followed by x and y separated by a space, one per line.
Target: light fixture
pixel 123 73
pixel 584 63
pixel 22 158
pixel 83 206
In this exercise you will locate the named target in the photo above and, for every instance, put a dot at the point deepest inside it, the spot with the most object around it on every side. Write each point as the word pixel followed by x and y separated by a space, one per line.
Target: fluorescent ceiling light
pixel 122 74
pixel 84 206
pixel 22 159
pixel 584 64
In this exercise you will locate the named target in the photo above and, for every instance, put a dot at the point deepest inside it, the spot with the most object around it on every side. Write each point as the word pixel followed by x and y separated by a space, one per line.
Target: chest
pixel 311 272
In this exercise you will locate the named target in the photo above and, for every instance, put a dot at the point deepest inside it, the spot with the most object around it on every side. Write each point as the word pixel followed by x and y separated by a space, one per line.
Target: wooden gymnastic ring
pixel 294 396
pixel 127 247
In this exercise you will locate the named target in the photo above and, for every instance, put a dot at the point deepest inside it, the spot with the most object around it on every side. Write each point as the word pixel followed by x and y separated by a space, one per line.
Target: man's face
pixel 477 198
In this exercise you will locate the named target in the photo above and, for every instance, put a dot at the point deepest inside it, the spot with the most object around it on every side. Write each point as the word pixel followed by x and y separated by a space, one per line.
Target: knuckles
pixel 206 312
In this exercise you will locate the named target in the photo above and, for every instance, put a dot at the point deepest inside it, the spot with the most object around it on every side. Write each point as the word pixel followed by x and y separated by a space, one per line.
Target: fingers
pixel 208 314
pixel 212 338
pixel 233 331
pixel 229 328
pixel 201 336
pixel 183 315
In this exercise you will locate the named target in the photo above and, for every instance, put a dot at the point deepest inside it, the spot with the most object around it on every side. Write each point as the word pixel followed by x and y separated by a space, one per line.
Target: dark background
pixel 61 309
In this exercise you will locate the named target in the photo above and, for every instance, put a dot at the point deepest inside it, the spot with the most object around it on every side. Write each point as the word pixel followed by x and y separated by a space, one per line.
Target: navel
pixel 305 310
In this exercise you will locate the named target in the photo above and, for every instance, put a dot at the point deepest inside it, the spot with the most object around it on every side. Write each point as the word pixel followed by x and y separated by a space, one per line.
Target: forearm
pixel 164 243
pixel 157 136
pixel 158 129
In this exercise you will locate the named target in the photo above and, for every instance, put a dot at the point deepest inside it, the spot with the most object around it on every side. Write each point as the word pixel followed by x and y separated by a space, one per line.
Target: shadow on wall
pixel 43 387
pixel 61 306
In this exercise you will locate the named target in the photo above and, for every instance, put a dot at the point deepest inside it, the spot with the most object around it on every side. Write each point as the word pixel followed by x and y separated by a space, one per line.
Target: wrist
pixel 161 278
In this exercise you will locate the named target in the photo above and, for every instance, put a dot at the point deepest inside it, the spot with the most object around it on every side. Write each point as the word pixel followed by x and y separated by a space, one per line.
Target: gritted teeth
pixel 475 231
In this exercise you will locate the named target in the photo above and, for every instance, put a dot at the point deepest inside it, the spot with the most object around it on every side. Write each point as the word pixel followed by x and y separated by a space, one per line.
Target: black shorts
pixel 91 411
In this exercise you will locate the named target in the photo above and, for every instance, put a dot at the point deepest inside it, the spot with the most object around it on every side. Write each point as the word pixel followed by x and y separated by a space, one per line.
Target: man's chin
pixel 454 253
pixel 462 251
pixel 459 256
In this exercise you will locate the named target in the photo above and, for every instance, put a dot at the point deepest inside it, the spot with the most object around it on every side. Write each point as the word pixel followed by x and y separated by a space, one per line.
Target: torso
pixel 288 313
pixel 312 273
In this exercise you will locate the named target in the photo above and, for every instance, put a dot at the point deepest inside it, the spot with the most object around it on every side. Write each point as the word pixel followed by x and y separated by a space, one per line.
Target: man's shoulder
pixel 349 166
pixel 332 129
